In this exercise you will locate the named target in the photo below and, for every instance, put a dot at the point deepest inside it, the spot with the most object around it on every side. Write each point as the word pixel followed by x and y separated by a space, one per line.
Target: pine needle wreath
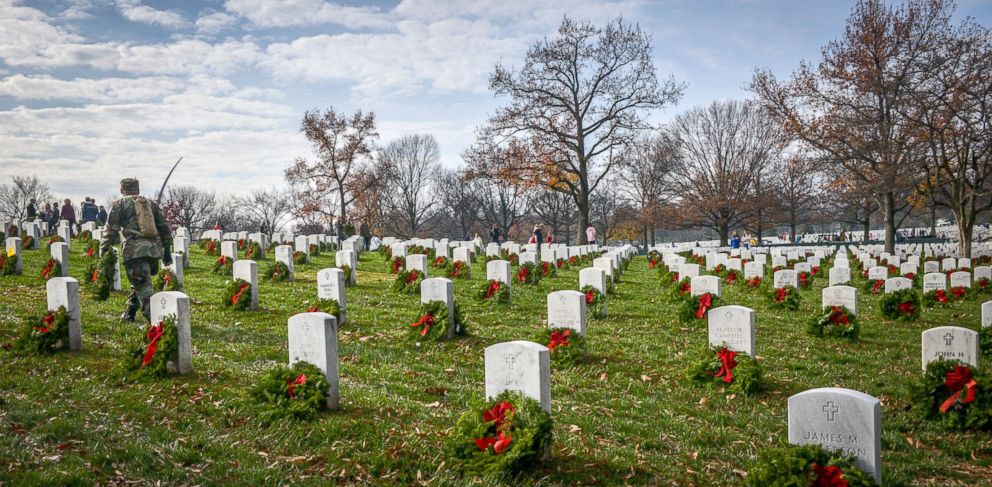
pixel 753 281
pixel 346 269
pixel 440 262
pixel 567 346
pixel 681 288
pixel 5 269
pixel 85 236
pixel 47 333
pixel 784 298
pixel 279 272
pixel 432 322
pixel 224 265
pixel 527 274
pixel 397 265
pixel 386 252
pixel 958 293
pixel 166 280
pixel 27 241
pixel 503 436
pixel 297 392
pixel 805 280
pixel 253 251
pixel 696 307
pixel 328 306
pixel 562 264
pixel 956 394
pixel 237 295
pixel 52 241
pixel 418 249
pixel 733 276
pixel 982 286
pixel 548 270
pixel 100 276
pixel 985 342
pixel 300 258
pixel 459 270
pixel 903 305
pixel 314 250
pixel 738 371
pixel 494 291
pixel 155 349
pixel 211 247
pixel 874 286
pixel 936 297
pixel 53 268
pixel 408 281
pixel 665 275
pixel 806 465
pixel 92 250
pixel 836 321
pixel 595 302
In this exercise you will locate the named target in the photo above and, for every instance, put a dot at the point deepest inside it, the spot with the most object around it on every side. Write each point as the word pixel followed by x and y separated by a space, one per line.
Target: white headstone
pixel 894 284
pixel 519 366
pixel 839 275
pixel 786 277
pixel 60 252
pixel 64 291
pixel 934 281
pixel 284 254
pixel 950 343
pixel 567 309
pixel 330 286
pixel 440 289
pixel 961 279
pixel 986 314
pixel 175 303
pixel 15 254
pixel 732 326
pixel 845 296
pixel 595 277
pixel 417 262
pixel 313 338
pixel 705 284
pixel 247 270
pixel 754 269
pixel 839 420
pixel 229 249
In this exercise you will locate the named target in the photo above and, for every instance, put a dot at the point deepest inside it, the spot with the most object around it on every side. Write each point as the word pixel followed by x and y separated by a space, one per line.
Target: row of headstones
pixel 58 251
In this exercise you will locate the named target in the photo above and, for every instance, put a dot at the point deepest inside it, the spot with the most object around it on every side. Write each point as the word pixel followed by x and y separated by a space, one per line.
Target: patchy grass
pixel 627 415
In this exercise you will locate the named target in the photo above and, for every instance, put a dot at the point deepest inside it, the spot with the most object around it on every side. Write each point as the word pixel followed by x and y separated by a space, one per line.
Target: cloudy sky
pixel 95 90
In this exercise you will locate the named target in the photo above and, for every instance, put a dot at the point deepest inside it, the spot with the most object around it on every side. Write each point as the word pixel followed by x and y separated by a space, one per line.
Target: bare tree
pixel 189 207
pixel 578 97
pixel 554 209
pixel 800 185
pixel 340 145
pixel 613 216
pixel 14 197
pixel 459 203
pixel 412 168
pixel 267 211
pixel 643 178
pixel 721 152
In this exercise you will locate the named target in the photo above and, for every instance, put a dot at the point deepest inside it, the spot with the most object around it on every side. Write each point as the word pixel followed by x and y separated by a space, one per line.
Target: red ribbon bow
pixel 959 381
pixel 829 476
pixel 780 295
pixel 907 308
pixel 958 292
pixel 241 290
pixel 731 277
pixel 590 297
pixel 500 415
pixel 426 321
pixel 313 309
pixel 522 274
pixel 412 276
pixel 397 265
pixel 559 339
pixel 941 296
pixel 89 253
pixel 838 317
pixel 48 321
pixel 705 301
pixel 493 288
pixel 167 278
pixel 675 277
pixel 96 274
pixel 299 381
pixel 802 278
pixel 728 360
pixel 154 333
pixel 653 263
pixel 878 285
pixel 48 269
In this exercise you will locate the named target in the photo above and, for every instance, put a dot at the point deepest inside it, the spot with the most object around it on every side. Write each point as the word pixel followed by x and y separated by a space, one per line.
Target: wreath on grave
pixel 595 302
pixel 493 291
pixel 719 269
pixel 514 259
pixel 157 346
pixel 54 240
pixel 5 270
pixel 346 269
pixel 958 293
pixel 27 241
pixel 210 247
pixel 738 371
pixel 681 288
pixel 733 276
pixel 956 394
pixel 753 282
pixel 503 436
pixel 548 270
pixel 253 251
pixel 785 298
pixel 53 268
pixel 985 342
pixel 398 264
pixel 418 249
pixel 835 321
pixel 46 334
pixel 562 264
pixel 903 305
pixel 314 250
pixel 223 265
pixel 85 236
pixel 100 276
pixel 297 392
pixel 386 252
pixel 665 275
pixel 300 258
pixel 527 274
pixel 567 346
pixel 935 297
pixel 814 271
pixel 408 281
pixel 328 306
pixel 804 279
pixel 573 261
pixel 983 286
pixel 458 270
pixel 806 465
pixel 695 307
pixel 91 249
pixel 279 272
pixel 166 280
pixel 237 295
pixel 440 262
pixel 432 323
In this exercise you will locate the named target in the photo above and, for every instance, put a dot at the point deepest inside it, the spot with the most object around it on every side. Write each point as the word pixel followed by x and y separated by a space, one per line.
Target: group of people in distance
pixel 537 236
pixel 53 212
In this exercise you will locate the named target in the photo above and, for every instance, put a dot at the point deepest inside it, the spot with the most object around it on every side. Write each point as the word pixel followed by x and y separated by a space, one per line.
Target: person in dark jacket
pixel 539 235
pixel 494 234
pixel 102 216
pixel 32 210
pixel 89 211
pixel 69 214
pixel 366 232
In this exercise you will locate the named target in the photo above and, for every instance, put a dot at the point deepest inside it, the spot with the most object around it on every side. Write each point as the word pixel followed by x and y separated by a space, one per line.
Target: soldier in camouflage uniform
pixel 147 239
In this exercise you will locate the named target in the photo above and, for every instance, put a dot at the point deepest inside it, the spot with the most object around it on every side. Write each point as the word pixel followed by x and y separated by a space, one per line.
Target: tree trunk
pixel 867 230
pixel 582 202
pixel 890 222
pixel 646 243
pixel 933 220
pixel 760 229
pixel 724 231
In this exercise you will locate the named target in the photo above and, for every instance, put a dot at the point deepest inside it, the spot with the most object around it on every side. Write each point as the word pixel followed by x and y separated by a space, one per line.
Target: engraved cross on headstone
pixel 510 359
pixel 729 316
pixel 948 338
pixel 831 409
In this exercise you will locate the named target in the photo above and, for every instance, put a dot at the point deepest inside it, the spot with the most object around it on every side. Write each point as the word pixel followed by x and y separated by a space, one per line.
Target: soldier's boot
pixel 144 297
pixel 131 312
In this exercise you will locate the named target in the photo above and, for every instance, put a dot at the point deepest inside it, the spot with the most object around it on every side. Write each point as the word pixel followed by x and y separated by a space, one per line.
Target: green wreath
pixel 939 395
pixel 741 374
pixel 92 250
pixel 503 436
pixel 784 298
pixel 6 270
pixel 300 258
pixel 314 250
pixel 873 286
pixel 805 465
pixel 567 346
pixel 494 291
pixel 223 265
pixel 279 272
pixel 835 321
pixel 440 263
pixel 562 264
pixel 982 286
pixel 46 334
pixel 805 279
pixel 328 306
pixel 682 288
pixel 595 302
pixel 253 251
pixel 166 280
pixel 297 392
pixel 237 295
pixel 459 270
pixel 548 270
pixel 85 236
pixel 53 268
pixel 527 274
pixel 146 360
pixel 985 342
pixel 903 305
pixel 100 276
pixel 210 247
pixel 696 307
pixel 386 252
pixel 732 276
pixel 398 264
pixel 936 297
pixel 54 240
pixel 347 274
pixel 408 281
pixel 432 322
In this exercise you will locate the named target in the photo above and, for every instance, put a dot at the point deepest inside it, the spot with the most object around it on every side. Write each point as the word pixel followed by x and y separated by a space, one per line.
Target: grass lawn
pixel 627 415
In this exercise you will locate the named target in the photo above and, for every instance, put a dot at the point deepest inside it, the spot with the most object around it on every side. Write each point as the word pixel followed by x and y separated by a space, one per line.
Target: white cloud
pixel 297 13
pixel 104 90
pixel 134 11
pixel 215 23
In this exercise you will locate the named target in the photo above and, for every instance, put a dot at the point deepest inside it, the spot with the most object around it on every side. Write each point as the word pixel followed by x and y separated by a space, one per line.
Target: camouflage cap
pixel 129 186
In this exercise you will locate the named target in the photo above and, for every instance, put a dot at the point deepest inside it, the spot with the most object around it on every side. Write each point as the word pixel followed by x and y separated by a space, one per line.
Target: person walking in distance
pixel 366 232
pixel 69 214
pixel 494 234
pixel 538 236
pixel 591 235
pixel 147 239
